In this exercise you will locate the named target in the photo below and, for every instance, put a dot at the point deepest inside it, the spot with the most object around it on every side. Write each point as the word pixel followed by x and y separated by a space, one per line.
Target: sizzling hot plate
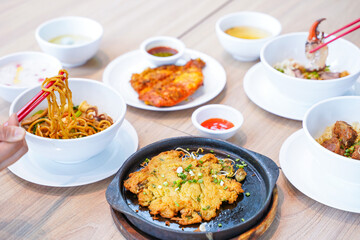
pixel 235 219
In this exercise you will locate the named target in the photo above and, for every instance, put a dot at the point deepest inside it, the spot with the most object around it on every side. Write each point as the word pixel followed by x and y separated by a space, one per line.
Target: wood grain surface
pixel 30 211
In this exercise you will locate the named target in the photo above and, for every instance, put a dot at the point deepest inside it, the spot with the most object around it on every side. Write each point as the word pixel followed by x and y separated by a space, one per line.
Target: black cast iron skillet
pixel 231 220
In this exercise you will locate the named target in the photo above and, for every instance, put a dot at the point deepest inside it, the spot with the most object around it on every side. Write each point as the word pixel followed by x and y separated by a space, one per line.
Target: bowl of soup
pixel 242 34
pixel 332 129
pixel 217 121
pixel 23 70
pixel 73 149
pixel 73 40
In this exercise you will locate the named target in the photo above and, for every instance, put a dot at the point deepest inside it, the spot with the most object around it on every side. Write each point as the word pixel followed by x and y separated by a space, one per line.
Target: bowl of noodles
pixel 77 121
pixel 280 53
pixel 332 128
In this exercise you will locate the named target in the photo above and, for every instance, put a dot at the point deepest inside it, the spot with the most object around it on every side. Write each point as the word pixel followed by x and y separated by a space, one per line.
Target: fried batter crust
pixel 160 187
pixel 168 85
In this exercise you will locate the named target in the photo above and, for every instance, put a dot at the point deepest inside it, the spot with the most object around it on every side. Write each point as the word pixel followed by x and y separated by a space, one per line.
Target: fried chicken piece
pixel 345 133
pixel 168 85
pixel 334 144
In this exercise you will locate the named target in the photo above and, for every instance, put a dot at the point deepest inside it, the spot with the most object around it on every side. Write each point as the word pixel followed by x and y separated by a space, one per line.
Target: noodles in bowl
pixel 64 120
pixel 78 149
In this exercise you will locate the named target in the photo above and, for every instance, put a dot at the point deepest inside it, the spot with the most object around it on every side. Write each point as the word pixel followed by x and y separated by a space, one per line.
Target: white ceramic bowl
pixel 322 115
pixel 343 55
pixel 246 49
pixel 162 41
pixel 76 150
pixel 217 111
pixel 34 65
pixel 75 54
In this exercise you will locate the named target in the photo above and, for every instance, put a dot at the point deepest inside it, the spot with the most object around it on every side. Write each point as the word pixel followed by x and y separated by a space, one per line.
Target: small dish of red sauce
pixel 162 51
pixel 217 124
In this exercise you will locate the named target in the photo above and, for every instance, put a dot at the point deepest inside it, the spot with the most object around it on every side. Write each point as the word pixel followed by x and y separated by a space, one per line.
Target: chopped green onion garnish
pixel 177 204
pixel 78 113
pixel 220 225
pixel 247 194
pixel 200 181
pixel 165 184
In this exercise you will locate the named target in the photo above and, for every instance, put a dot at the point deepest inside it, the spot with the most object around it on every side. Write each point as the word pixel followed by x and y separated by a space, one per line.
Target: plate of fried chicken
pixel 194 80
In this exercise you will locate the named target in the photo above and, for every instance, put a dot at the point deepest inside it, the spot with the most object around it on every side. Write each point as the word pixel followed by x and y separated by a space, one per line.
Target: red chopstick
pixel 346 26
pixel 34 102
pixel 341 35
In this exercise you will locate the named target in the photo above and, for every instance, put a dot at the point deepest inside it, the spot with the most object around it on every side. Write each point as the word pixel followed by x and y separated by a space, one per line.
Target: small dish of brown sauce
pixel 162 51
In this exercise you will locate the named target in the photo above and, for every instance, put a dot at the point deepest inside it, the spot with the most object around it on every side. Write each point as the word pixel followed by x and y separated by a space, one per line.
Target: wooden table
pixel 30 211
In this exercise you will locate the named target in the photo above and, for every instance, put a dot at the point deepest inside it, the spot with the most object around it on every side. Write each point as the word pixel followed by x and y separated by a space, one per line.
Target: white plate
pixel 50 173
pixel 302 170
pixel 264 94
pixel 118 74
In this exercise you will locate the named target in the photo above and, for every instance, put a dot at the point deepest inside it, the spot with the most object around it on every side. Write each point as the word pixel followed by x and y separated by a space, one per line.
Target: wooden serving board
pixel 131 232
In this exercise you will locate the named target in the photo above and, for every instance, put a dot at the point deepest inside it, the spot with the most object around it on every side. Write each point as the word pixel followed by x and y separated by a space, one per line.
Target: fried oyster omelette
pixel 177 181
pixel 168 85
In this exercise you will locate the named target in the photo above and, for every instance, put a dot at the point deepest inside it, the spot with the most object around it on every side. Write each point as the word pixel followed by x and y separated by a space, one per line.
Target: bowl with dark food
pixel 77 121
pixel 193 188
pixel 332 128
pixel 310 77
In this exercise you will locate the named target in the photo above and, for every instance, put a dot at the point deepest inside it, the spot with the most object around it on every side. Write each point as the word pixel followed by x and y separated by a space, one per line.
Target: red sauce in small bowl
pixel 217 124
pixel 162 51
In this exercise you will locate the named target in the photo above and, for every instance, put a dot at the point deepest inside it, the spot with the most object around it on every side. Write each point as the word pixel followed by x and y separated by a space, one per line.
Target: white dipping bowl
pixel 246 49
pixel 35 65
pixel 162 41
pixel 217 111
pixel 343 55
pixel 324 114
pixel 75 54
pixel 76 150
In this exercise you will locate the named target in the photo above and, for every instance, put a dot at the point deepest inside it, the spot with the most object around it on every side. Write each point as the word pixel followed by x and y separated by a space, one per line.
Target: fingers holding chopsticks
pixel 12 142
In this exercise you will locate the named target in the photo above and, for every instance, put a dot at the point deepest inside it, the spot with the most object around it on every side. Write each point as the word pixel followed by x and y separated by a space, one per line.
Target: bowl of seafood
pixel 193 188
pixel 76 123
pixel 73 40
pixel 332 128
pixel 23 70
pixel 305 77
pixel 217 121
pixel 242 34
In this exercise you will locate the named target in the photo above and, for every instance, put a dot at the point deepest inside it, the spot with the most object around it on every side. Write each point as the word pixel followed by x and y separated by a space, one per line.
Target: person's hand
pixel 12 142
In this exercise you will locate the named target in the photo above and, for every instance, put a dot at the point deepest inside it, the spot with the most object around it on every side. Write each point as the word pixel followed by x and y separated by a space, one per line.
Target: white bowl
pixel 217 111
pixel 34 66
pixel 76 150
pixel 74 54
pixel 322 115
pixel 162 41
pixel 343 55
pixel 246 49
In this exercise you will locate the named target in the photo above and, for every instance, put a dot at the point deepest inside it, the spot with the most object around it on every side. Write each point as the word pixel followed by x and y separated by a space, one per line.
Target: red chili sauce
pixel 217 124
pixel 162 51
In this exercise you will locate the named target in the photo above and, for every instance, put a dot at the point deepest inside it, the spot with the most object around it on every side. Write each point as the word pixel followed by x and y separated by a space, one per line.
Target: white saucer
pixel 302 170
pixel 264 94
pixel 118 74
pixel 50 173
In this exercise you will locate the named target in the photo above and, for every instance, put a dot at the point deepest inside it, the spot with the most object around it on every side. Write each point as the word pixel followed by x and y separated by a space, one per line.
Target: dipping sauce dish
pixel 162 50
pixel 227 121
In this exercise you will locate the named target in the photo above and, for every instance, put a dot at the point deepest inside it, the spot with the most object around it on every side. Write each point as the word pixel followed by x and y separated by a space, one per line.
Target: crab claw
pixel 313 32
pixel 318 58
